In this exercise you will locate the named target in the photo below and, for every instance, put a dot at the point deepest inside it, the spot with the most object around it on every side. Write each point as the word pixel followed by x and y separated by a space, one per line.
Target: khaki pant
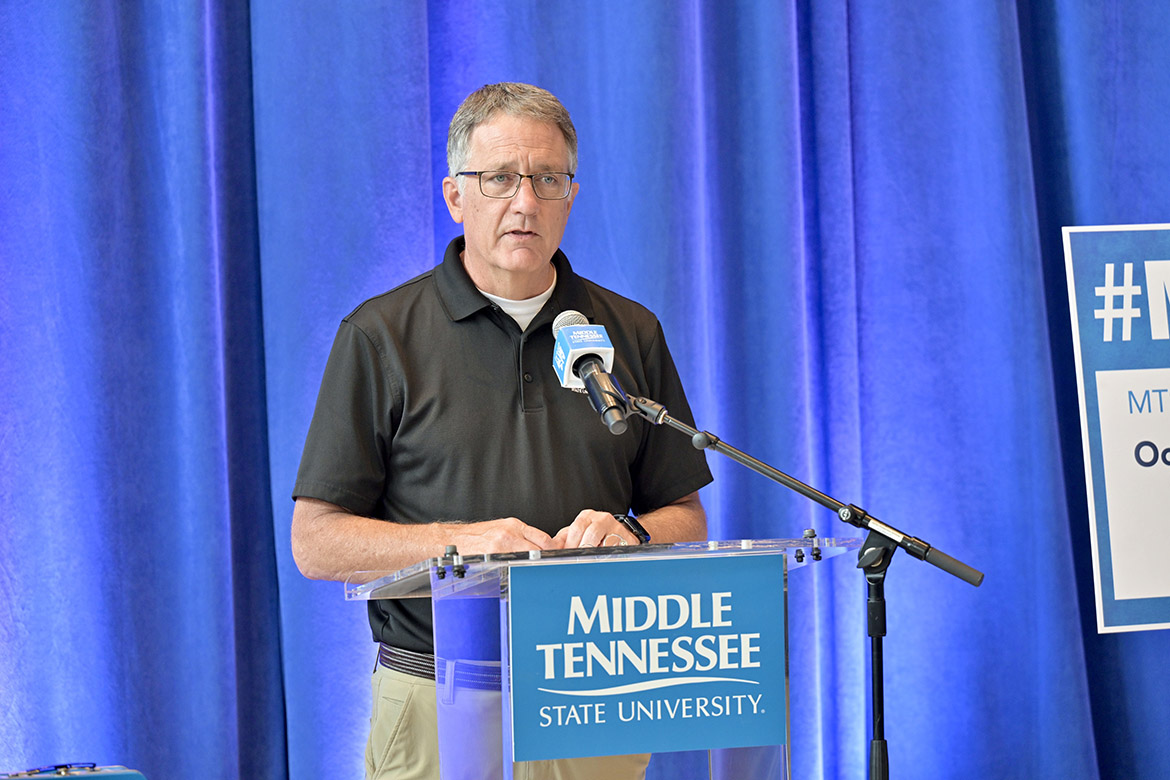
pixel 404 741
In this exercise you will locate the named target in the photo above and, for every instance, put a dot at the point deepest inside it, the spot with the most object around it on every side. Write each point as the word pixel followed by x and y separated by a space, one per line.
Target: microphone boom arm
pixel 848 513
pixel 877 550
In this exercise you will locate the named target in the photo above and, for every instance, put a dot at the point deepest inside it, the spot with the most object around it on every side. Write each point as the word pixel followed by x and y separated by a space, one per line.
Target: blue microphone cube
pixel 575 342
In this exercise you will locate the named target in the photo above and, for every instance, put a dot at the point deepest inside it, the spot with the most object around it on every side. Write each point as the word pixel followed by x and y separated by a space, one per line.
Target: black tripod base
pixel 879 760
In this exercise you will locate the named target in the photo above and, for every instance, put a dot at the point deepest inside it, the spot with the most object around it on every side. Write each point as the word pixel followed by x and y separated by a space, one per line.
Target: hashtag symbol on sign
pixel 1127 313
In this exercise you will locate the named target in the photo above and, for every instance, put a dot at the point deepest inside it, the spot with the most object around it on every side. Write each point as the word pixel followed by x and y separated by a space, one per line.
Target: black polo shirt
pixel 435 407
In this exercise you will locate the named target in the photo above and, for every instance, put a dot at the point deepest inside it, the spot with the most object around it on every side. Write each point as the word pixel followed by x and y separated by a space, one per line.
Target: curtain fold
pixel 846 215
pixel 140 608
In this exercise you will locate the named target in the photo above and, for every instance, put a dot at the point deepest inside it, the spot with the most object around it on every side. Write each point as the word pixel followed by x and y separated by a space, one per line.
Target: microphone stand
pixel 874 558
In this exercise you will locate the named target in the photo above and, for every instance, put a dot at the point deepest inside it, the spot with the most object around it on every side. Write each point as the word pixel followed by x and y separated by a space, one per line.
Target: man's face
pixel 511 240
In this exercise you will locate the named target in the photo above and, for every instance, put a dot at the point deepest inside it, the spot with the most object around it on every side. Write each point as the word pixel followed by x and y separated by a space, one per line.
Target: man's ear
pixel 453 198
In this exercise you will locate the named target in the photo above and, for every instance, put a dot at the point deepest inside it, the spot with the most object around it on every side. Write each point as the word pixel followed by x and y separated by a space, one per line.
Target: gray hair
pixel 518 100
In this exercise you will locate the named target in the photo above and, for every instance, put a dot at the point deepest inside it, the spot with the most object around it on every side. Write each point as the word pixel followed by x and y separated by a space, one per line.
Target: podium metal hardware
pixel 810 533
pixel 457 566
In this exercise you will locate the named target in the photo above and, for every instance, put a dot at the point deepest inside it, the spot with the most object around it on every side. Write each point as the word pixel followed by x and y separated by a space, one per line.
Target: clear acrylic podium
pixel 680 695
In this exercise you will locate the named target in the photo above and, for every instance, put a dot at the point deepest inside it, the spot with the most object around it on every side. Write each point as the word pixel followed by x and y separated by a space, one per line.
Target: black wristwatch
pixel 633 526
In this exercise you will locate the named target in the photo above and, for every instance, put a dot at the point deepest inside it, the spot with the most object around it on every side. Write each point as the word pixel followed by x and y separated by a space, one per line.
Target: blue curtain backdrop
pixel 847 216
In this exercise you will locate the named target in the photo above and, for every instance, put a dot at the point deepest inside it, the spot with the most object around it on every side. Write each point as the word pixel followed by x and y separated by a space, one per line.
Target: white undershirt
pixel 523 311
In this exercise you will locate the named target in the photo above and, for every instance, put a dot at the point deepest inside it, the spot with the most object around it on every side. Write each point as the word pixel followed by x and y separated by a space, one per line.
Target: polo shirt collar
pixel 461 299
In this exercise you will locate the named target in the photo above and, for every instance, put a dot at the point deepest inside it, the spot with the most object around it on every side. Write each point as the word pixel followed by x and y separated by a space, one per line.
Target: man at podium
pixel 440 419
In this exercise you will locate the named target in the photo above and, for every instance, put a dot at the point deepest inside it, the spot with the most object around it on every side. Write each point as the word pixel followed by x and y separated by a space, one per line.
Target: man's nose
pixel 525 200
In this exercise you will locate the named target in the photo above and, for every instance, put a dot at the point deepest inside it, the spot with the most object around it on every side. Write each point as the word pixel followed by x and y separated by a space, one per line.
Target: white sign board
pixel 1119 294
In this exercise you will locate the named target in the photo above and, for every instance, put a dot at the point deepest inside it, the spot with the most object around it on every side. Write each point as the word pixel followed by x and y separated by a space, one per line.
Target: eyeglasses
pixel 550 185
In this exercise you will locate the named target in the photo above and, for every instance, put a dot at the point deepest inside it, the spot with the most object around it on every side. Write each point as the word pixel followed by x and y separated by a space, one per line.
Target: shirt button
pixel 528 377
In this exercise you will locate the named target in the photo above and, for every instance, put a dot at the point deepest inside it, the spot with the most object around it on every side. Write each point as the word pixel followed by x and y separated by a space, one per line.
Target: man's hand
pixel 508 534
pixel 680 521
pixel 592 528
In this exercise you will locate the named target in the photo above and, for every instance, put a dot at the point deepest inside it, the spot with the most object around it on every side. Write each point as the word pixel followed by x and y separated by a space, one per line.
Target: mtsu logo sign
pixel 635 656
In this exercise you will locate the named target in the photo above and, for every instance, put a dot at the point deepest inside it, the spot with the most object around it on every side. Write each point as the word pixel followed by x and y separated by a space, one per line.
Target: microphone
pixel 582 358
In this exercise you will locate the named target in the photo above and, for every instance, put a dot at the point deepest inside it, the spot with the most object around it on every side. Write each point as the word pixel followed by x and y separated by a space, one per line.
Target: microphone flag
pixel 575 342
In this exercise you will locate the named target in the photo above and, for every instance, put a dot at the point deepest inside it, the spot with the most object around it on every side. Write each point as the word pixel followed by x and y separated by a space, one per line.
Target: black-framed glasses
pixel 549 185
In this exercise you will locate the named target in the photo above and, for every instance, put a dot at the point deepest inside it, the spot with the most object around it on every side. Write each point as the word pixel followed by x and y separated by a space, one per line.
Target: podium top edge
pixel 415 581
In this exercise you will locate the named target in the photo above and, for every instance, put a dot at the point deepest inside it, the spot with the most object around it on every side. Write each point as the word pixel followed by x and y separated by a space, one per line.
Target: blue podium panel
pixel 628 655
